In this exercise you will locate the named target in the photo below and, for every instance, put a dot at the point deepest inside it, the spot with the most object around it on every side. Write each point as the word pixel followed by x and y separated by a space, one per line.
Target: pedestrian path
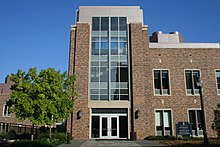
pixel 116 143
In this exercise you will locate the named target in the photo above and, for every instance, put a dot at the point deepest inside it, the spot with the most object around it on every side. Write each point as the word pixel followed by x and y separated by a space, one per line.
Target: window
pixel 4 127
pixel 95 23
pixel 104 23
pixel 114 23
pixel 163 122
pixel 5 111
pixel 109 59
pixel 191 78
pixel 122 24
pixel 217 73
pixel 195 119
pixel 161 82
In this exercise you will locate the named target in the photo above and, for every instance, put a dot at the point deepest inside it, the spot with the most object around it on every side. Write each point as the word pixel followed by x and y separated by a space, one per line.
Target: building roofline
pixel 101 7
pixel 185 45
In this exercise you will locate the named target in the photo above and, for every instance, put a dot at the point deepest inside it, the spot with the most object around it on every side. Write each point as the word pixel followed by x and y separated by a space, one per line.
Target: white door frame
pixel 109 125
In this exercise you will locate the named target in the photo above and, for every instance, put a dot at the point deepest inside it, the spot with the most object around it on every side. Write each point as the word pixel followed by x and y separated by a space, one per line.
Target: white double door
pixel 109 126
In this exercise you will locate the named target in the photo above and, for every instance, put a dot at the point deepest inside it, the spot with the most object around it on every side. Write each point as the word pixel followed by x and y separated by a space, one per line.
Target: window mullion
pixel 197 131
pixel 99 91
pixel 161 82
pixel 163 123
pixel 193 88
pixel 109 61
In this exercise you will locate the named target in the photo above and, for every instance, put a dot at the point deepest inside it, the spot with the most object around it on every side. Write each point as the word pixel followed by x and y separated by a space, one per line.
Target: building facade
pixel 9 121
pixel 130 85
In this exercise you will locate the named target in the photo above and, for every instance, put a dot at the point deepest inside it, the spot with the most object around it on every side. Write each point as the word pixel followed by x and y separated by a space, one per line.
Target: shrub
pixel 11 134
pixel 24 136
pixel 42 140
pixel 160 138
pixel 60 136
pixel 3 136
pixel 28 143
pixel 56 138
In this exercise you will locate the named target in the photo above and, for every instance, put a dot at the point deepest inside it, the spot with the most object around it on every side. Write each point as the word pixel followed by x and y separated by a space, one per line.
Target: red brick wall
pixel 144 60
pixel 81 69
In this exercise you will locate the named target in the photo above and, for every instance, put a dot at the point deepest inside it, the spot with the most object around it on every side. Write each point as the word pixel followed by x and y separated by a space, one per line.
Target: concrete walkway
pixel 119 143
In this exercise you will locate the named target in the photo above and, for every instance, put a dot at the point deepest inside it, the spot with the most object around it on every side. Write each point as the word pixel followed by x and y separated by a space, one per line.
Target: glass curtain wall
pixel 109 59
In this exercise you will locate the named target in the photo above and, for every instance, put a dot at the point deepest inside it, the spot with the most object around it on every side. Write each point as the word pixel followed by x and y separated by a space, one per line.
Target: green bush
pixel 28 143
pixel 11 135
pixel 3 136
pixel 160 138
pixel 43 140
pixel 56 138
pixel 186 138
pixel 60 136
pixel 24 136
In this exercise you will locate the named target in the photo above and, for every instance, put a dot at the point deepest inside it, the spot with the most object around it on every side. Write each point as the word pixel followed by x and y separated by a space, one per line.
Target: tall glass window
pixel 195 118
pixel 109 59
pixel 163 122
pixel 191 78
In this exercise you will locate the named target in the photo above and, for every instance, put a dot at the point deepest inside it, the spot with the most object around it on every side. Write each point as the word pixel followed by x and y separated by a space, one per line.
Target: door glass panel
pixel 109 123
pixel 192 119
pixel 114 126
pixel 159 123
pixel 123 127
pixel 200 122
pixel 104 126
pixel 95 126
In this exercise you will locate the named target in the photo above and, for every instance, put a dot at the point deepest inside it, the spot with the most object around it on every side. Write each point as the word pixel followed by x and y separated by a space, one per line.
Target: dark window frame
pixel 191 76
pixel 160 83
pixel 217 72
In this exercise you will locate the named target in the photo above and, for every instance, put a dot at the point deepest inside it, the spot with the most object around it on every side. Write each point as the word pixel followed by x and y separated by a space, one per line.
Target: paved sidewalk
pixel 119 143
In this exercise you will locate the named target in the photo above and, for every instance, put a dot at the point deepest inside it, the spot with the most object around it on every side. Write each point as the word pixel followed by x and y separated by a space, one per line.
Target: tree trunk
pixel 50 131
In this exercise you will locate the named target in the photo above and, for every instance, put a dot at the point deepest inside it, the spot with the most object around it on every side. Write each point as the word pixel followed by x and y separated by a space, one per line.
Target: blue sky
pixel 35 33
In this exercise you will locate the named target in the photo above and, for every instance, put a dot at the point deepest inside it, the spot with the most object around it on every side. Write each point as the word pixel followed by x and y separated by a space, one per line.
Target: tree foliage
pixel 42 98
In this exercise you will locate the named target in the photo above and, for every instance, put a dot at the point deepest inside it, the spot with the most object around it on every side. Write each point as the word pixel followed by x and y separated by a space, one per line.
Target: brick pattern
pixel 139 45
pixel 4 96
pixel 79 55
pixel 144 60
pixel 70 69
pixel 176 60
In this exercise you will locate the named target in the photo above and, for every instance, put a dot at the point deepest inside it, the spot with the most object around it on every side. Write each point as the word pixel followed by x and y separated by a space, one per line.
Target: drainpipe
pixel 132 133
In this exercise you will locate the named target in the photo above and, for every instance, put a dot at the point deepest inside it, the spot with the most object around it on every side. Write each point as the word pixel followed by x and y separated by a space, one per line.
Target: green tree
pixel 42 98
pixel 216 121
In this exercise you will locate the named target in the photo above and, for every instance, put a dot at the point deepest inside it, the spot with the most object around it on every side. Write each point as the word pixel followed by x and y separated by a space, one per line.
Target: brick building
pixel 9 121
pixel 129 83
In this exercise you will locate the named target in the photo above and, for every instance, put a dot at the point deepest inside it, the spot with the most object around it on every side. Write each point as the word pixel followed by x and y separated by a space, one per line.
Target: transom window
pixel 191 79
pixel 217 74
pixel 161 82
pixel 109 59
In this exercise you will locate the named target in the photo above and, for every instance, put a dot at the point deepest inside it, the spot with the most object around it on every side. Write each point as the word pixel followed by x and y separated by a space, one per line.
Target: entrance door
pixel 109 127
pixel 109 123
